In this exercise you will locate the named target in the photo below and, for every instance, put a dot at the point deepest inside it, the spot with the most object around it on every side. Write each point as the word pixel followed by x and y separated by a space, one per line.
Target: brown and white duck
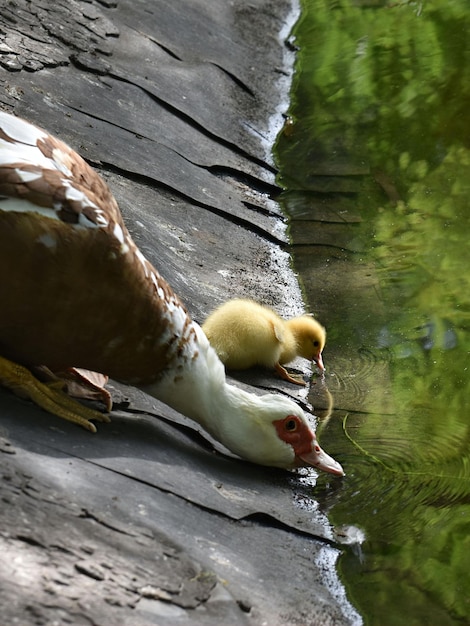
pixel 75 291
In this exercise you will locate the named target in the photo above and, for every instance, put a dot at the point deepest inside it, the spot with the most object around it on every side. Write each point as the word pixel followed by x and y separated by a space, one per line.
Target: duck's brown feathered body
pixel 80 303
pixel 76 290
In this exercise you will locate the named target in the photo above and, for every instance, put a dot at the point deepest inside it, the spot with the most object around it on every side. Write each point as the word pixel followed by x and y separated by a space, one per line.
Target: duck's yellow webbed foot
pixel 49 396
pixel 283 373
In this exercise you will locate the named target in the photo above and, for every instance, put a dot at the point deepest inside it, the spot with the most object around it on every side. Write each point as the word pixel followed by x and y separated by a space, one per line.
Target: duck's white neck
pixel 269 429
pixel 197 388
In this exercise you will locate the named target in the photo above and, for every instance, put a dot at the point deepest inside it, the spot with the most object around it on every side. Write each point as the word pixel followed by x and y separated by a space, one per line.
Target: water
pixel 375 160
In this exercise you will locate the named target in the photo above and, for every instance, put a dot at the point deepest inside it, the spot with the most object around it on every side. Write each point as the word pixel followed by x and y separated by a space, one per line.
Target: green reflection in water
pixel 380 119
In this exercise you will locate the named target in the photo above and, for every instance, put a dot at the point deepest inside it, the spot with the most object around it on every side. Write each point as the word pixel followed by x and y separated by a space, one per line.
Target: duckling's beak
pixel 319 361
pixel 318 458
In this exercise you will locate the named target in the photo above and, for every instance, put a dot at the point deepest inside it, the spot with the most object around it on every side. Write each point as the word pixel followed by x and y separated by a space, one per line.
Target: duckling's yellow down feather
pixel 245 333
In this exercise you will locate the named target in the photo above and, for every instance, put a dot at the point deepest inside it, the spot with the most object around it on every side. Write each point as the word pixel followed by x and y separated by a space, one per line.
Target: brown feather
pixel 73 295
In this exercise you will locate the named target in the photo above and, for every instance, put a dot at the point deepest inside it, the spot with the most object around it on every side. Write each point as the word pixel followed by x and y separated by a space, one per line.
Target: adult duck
pixel 245 333
pixel 75 291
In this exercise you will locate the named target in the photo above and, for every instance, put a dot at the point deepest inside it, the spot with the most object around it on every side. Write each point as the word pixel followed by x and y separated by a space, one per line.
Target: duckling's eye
pixel 316 343
pixel 291 425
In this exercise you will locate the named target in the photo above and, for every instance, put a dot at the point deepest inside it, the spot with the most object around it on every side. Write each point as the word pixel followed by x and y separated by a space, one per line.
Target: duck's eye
pixel 316 343
pixel 291 425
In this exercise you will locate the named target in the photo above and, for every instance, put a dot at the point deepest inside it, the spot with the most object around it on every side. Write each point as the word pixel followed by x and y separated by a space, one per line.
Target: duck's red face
pixel 296 432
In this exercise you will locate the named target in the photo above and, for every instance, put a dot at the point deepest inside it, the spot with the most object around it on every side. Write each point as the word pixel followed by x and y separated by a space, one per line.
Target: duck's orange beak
pixel 318 458
pixel 319 361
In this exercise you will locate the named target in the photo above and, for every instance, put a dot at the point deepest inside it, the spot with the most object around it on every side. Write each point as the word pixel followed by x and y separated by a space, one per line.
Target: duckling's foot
pixel 283 373
pixel 49 396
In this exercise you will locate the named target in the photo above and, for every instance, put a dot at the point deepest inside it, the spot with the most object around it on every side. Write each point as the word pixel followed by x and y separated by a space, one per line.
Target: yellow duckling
pixel 245 333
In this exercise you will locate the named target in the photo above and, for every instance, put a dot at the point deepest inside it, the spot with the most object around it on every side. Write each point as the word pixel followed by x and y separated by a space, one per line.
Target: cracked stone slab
pixel 145 523
pixel 85 569
pixel 145 158
pixel 153 452
pixel 83 544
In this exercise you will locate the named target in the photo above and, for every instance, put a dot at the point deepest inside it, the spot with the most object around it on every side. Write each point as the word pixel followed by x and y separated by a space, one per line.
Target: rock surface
pixel 147 522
